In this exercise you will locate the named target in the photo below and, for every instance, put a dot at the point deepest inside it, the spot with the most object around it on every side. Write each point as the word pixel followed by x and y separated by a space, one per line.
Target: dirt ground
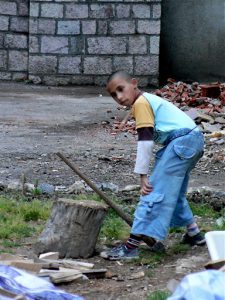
pixel 36 122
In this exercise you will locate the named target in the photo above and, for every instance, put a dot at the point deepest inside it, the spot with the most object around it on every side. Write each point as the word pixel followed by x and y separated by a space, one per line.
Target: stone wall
pixel 80 42
pixel 14 39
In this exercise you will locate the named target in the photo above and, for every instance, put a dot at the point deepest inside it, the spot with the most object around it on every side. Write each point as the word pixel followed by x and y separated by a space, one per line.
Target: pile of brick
pixel 204 103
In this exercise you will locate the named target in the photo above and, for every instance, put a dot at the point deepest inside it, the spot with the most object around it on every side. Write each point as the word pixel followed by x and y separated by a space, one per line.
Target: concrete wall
pixel 193 40
pixel 79 42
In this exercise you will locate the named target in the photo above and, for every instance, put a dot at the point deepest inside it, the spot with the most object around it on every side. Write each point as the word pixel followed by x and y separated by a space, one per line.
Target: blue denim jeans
pixel 166 206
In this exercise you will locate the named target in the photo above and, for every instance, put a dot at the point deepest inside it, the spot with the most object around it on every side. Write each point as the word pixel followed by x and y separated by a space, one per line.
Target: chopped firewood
pixel 62 277
pixel 49 255
pixel 8 257
pixel 95 273
pixel 27 266
pixel 67 263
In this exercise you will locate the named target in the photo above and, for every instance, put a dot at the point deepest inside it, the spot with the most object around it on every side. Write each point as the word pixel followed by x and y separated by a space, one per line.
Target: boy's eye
pixel 120 89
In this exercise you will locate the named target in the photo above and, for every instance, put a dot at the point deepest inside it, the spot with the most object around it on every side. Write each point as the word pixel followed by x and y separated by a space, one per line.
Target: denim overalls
pixel 166 206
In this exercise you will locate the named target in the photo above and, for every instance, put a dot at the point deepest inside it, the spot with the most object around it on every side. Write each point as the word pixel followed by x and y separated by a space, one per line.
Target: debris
pixel 210 90
pixel 49 255
pixel 136 275
pixel 46 188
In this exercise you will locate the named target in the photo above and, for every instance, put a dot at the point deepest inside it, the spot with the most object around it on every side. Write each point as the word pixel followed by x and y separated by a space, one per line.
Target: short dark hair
pixel 119 73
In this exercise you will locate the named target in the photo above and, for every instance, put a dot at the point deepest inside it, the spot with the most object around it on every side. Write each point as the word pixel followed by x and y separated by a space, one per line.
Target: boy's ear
pixel 134 82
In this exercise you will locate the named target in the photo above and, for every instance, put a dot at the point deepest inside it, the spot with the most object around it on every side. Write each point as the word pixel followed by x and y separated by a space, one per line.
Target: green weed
pixel 203 210
pixel 179 248
pixel 158 295
pixel 18 217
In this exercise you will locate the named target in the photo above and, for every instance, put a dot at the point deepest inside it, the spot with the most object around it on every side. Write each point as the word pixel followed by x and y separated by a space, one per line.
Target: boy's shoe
pixel 198 239
pixel 120 253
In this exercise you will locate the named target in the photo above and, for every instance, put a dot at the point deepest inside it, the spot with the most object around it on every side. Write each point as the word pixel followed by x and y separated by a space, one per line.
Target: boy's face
pixel 122 90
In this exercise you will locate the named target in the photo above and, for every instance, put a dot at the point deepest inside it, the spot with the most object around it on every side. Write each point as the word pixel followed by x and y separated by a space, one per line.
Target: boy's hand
pixel 146 187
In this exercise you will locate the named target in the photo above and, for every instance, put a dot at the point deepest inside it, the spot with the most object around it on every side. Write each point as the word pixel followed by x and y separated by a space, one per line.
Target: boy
pixel 162 203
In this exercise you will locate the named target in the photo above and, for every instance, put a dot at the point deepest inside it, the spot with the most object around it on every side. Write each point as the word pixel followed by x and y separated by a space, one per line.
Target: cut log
pixel 72 229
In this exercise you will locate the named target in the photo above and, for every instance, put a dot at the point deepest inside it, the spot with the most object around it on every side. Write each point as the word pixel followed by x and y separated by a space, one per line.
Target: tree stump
pixel 72 229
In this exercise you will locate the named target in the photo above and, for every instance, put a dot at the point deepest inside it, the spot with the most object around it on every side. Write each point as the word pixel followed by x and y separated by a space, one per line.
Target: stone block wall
pixel 80 42
pixel 14 39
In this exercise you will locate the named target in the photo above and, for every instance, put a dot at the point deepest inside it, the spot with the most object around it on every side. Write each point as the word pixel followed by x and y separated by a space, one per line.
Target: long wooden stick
pixel 149 241
pixel 119 211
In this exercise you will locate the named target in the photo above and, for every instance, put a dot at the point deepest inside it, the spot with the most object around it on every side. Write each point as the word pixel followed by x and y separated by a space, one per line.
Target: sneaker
pixel 120 253
pixel 198 239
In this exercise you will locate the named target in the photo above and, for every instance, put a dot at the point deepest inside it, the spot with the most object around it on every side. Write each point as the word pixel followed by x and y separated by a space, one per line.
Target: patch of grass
pixel 179 248
pixel 158 295
pixel 150 258
pixel 114 228
pixel 20 218
pixel 203 210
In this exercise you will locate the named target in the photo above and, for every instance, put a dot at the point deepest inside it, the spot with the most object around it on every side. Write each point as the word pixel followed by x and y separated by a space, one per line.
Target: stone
pixel 156 11
pixel 4 23
pixel 2 35
pixel 34 9
pixel 102 27
pixel 51 10
pixel 70 65
pixel 78 187
pixel 8 8
pixel 19 76
pixel 77 45
pixel 97 65
pixel 82 80
pixel 109 186
pixel 211 128
pixel 16 41
pixel 5 75
pixel 33 26
pixel 33 44
pixel 205 117
pixel 88 27
pixel 141 11
pixel 146 65
pixel 46 188
pixel 123 11
pixel 52 44
pixel 68 27
pixel 124 63
pixel 42 64
pixel 154 44
pixel 100 80
pixel 122 27
pixel 19 24
pixel 148 27
pixel 46 26
pixel 220 120
pixel 23 8
pixel 130 188
pixel 106 45
pixel 3 60
pixel 101 11
pixel 35 79
pixel 76 11
pixel 55 80
pixel 137 45
pixel 18 60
